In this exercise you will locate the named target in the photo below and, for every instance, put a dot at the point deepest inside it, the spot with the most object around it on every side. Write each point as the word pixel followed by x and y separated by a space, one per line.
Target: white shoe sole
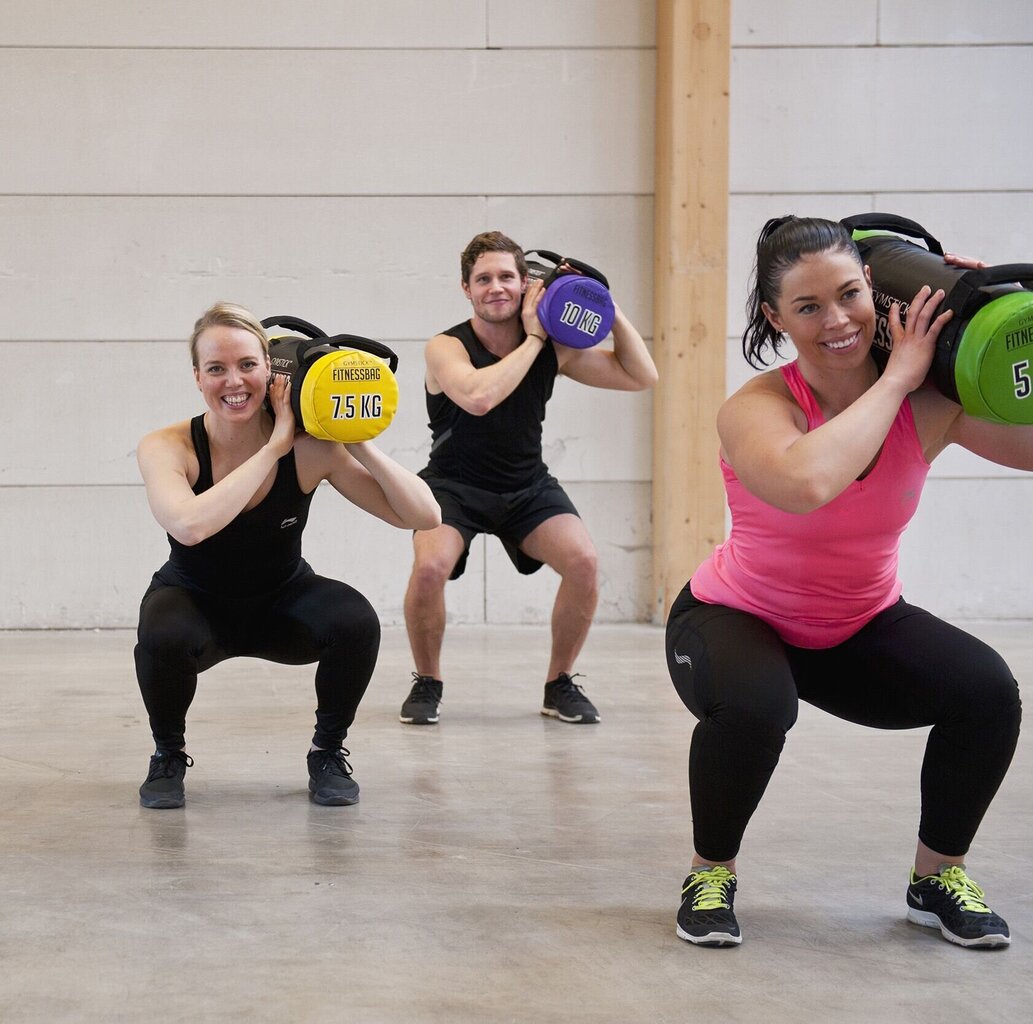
pixel 927 919
pixel 710 939
pixel 418 721
pixel 579 720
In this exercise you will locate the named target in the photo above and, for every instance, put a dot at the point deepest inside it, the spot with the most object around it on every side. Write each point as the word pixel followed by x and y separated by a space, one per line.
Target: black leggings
pixel 903 670
pixel 182 633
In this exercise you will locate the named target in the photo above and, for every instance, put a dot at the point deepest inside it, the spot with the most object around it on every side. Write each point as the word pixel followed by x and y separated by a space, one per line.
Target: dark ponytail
pixel 782 241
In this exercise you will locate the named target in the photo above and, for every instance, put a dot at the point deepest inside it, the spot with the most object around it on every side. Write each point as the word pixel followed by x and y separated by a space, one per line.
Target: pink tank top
pixel 818 578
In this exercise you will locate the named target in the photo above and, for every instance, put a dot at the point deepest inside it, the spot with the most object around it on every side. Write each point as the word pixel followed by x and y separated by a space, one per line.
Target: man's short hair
pixel 490 241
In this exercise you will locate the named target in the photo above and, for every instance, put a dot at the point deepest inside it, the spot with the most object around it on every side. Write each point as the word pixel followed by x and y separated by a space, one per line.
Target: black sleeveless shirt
pixel 502 450
pixel 258 551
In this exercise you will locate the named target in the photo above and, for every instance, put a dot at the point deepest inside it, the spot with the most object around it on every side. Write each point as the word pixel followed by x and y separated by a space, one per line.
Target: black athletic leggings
pixel 312 618
pixel 903 670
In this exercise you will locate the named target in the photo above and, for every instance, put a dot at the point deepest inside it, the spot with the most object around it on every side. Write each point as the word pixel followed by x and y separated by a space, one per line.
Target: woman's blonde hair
pixel 227 314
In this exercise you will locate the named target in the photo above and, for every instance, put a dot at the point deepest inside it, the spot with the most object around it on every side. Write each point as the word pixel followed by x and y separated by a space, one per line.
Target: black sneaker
pixel 565 700
pixel 163 787
pixel 952 902
pixel 330 778
pixel 421 706
pixel 705 916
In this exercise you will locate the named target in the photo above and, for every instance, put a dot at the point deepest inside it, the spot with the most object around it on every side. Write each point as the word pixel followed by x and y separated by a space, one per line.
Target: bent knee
pixel 983 685
pixel 431 572
pixel 355 621
pixel 999 696
pixel 169 642
pixel 766 724
pixel 581 565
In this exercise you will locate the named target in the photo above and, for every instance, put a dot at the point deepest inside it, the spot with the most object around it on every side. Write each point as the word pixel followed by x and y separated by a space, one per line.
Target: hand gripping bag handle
pixel 964 297
pixel 964 294
pixel 587 269
pixel 317 337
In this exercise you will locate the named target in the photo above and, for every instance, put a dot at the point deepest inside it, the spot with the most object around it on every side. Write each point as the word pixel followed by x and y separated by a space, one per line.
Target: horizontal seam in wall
pixel 890 191
pixel 324 195
pixel 1011 45
pixel 570 48
pixel 293 196
pixel 644 48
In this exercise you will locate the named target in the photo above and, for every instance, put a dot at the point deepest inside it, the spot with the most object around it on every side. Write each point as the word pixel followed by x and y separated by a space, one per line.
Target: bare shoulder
pixel 767 389
pixel 931 409
pixel 935 415
pixel 168 452
pixel 440 353
pixel 769 382
pixel 169 441
pixel 761 412
pixel 445 346
pixel 315 459
pixel 568 358
pixel 565 355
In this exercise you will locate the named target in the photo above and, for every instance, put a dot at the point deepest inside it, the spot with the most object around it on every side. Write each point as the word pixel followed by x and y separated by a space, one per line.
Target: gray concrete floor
pixel 500 866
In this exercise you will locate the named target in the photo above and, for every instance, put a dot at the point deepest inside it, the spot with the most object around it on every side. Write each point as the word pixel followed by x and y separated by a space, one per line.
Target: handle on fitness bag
pixel 585 268
pixel 892 222
pixel 293 323
pixel 966 291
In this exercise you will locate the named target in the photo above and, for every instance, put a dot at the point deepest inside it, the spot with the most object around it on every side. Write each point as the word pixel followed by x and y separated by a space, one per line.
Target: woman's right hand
pixel 284 426
pixel 914 343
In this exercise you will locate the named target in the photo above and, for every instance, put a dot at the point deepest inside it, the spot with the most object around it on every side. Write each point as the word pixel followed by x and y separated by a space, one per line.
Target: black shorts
pixel 510 516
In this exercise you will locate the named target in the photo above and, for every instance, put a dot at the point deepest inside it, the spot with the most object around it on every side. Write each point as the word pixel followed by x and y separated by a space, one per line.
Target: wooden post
pixel 690 273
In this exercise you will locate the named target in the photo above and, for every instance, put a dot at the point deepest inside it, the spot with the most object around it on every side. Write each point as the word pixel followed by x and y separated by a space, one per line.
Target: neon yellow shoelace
pixel 967 894
pixel 712 884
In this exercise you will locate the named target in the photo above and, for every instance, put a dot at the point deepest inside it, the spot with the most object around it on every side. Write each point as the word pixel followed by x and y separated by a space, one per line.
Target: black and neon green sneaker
pixel 952 902
pixel 706 917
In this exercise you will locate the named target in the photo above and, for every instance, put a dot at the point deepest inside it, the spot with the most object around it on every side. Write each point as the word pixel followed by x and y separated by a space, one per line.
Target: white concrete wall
pixel 919 108
pixel 330 159
pixel 327 159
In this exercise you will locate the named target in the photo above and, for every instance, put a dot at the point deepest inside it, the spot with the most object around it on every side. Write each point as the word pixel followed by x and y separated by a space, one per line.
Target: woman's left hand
pixel 284 428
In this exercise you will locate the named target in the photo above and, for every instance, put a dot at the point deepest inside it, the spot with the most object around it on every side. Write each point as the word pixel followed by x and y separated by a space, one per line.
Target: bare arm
pixel 164 459
pixel 1006 444
pixel 764 434
pixel 765 440
pixel 371 480
pixel 628 367
pixel 478 390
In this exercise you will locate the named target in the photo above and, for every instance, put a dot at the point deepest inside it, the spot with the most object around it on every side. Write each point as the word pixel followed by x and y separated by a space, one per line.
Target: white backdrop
pixel 330 159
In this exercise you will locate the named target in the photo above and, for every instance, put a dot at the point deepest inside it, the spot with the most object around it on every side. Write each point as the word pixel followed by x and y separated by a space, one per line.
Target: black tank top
pixel 254 554
pixel 502 450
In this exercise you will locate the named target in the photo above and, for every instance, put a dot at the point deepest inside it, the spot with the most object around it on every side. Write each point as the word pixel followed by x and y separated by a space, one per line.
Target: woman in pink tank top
pixel 824 461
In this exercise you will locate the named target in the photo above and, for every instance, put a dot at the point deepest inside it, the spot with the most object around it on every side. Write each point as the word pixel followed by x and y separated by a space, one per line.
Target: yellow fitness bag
pixel 343 388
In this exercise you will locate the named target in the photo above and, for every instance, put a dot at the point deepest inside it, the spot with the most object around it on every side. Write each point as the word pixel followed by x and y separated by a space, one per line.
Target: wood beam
pixel 690 279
